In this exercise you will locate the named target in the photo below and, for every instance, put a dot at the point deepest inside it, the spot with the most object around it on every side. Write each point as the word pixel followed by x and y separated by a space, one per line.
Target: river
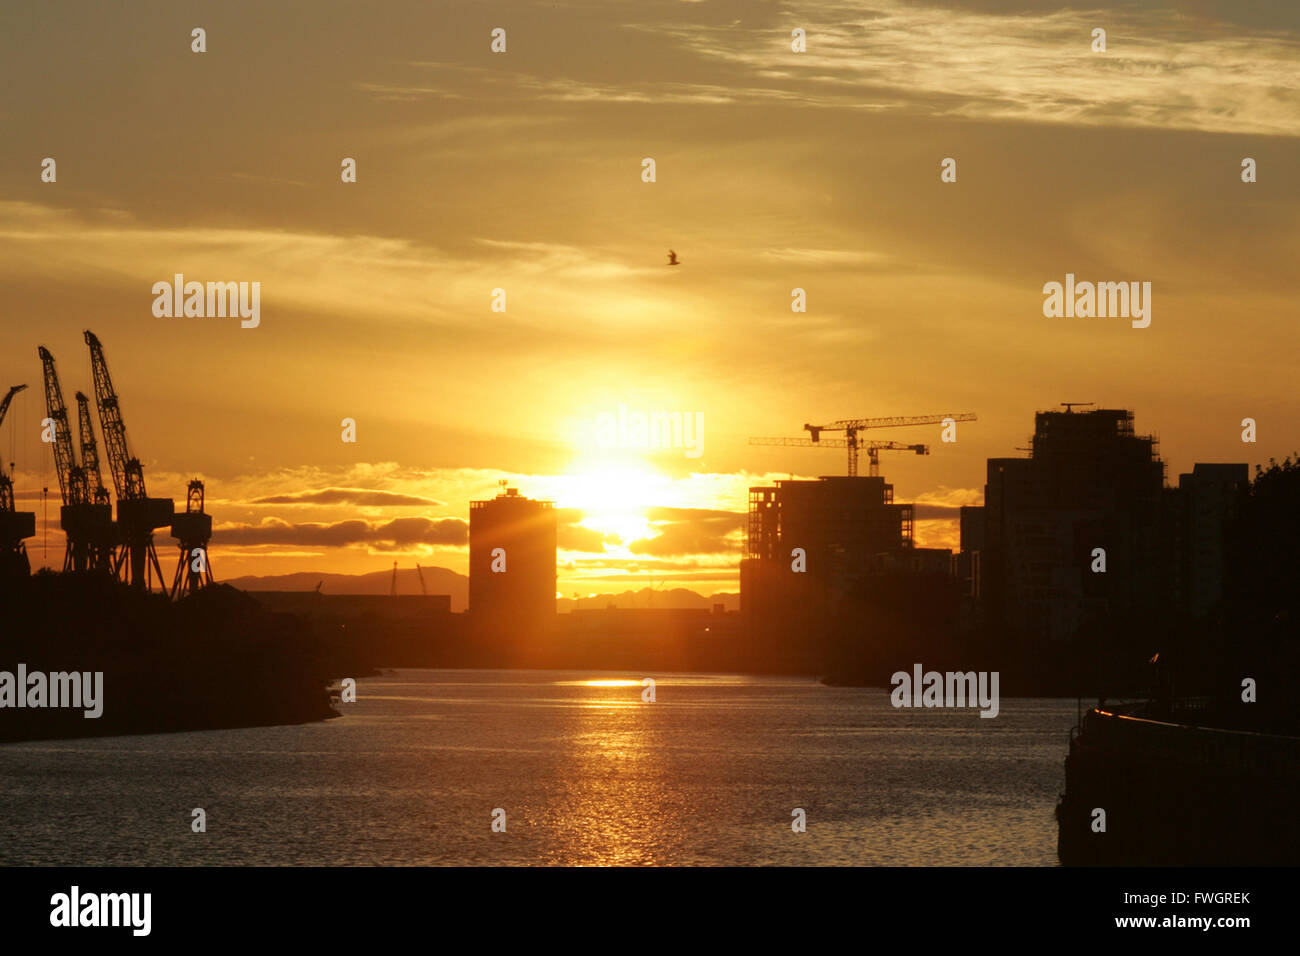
pixel 584 770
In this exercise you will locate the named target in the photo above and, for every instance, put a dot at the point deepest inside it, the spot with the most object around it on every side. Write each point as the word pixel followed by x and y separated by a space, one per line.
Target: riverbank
pixel 214 660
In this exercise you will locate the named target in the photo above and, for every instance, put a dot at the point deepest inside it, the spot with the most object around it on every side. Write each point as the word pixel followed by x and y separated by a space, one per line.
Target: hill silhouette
pixel 444 581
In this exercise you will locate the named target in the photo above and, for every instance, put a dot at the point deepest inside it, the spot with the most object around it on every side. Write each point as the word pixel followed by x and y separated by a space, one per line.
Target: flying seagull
pixel 672 258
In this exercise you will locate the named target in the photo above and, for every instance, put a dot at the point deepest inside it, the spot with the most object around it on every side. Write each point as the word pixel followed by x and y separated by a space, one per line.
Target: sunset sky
pixel 522 171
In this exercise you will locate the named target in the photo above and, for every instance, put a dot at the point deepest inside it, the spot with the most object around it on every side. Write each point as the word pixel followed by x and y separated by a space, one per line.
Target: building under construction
pixel 1089 483
pixel 839 524
pixel 817 551
pixel 811 546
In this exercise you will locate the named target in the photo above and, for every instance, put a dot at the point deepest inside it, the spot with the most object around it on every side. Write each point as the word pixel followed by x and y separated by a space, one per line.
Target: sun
pixel 615 499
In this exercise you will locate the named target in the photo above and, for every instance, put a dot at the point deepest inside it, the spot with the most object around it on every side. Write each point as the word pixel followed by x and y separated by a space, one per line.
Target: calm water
pixel 708 774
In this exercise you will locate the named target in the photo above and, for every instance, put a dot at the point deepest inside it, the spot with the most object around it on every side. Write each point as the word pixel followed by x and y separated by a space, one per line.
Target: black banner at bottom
pixel 330 906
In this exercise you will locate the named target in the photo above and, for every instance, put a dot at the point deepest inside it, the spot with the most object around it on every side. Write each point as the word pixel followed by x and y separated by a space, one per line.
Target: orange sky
pixel 522 171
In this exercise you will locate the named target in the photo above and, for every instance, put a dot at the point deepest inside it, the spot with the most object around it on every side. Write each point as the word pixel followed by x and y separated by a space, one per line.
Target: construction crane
pixel 87 524
pixel 14 525
pixel 872 448
pixel 138 515
pixel 852 426
pixel 420 572
pixel 192 531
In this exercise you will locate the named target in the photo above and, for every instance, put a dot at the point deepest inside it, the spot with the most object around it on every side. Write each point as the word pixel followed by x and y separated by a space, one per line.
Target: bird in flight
pixel 672 258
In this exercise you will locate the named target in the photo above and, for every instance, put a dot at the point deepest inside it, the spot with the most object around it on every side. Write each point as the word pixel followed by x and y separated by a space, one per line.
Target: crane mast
pixel 4 405
pixel 128 475
pixel 90 453
pixel 6 485
pixel 137 514
pixel 14 525
pixel 103 539
pixel 87 522
pixel 72 480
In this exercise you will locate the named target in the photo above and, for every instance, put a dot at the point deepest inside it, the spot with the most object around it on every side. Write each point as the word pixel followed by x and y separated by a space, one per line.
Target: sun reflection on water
pixel 613 764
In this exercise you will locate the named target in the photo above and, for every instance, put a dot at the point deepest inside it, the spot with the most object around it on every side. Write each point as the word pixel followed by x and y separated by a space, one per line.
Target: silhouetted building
pixel 1089 493
pixel 838 522
pixel 967 560
pixel 810 545
pixel 512 559
pixel 914 560
pixel 972 527
pixel 1197 516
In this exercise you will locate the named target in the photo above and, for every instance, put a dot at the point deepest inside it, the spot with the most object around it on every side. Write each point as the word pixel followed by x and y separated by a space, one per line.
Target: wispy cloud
pixel 829 257
pixel 327 273
pixel 397 534
pixel 1161 68
pixel 456 81
pixel 365 497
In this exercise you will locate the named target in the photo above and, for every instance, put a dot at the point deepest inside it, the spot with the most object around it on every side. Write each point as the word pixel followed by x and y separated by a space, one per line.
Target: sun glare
pixel 614 499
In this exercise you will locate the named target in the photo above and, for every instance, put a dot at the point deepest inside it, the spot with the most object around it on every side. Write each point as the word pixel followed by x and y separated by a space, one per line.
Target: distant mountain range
pixel 647 597
pixel 443 581
pixel 437 580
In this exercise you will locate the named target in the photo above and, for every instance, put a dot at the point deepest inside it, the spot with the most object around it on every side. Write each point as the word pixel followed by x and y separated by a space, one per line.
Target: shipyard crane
pixel 4 405
pixel 420 572
pixel 95 490
pixel 872 448
pixel 14 525
pixel 87 524
pixel 851 427
pixel 192 531
pixel 103 539
pixel 138 515
pixel 72 480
